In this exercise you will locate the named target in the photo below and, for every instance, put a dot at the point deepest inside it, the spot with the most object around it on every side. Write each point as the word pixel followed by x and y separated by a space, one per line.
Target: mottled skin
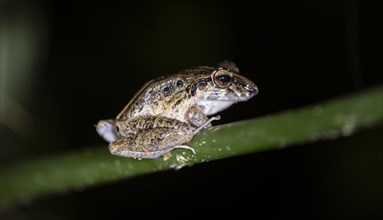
pixel 167 112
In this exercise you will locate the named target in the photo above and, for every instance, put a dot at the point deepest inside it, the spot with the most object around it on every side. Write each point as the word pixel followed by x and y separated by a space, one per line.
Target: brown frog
pixel 167 112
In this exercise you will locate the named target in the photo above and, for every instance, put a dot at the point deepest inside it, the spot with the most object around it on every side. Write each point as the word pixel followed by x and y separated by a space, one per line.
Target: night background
pixel 67 64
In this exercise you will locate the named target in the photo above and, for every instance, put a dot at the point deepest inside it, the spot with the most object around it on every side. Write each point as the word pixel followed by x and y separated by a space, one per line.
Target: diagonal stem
pixel 74 171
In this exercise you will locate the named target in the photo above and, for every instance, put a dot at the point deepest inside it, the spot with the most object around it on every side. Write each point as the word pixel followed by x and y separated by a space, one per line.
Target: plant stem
pixel 75 171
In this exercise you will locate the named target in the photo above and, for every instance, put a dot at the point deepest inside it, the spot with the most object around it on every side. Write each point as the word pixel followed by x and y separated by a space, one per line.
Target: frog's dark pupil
pixel 180 83
pixel 224 78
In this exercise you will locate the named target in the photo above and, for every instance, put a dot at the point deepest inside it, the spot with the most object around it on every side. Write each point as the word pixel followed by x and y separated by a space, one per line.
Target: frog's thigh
pixel 151 143
pixel 149 122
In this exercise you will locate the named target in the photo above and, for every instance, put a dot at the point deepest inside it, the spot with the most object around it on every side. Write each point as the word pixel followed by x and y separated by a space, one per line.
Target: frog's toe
pixel 216 118
pixel 185 147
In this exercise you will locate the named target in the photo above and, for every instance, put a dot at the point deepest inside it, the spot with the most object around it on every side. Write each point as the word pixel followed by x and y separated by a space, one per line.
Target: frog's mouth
pixel 228 97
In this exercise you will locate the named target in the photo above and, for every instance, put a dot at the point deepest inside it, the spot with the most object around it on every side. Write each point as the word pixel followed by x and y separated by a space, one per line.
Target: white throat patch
pixel 213 107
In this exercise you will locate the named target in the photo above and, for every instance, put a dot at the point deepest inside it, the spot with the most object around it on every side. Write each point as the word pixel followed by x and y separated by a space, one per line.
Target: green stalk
pixel 78 170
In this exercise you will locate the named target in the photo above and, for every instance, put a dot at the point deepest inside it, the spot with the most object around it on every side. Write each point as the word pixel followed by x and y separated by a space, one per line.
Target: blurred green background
pixel 67 64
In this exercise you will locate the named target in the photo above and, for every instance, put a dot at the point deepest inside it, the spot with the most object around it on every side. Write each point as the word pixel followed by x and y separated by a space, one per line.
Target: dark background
pixel 71 63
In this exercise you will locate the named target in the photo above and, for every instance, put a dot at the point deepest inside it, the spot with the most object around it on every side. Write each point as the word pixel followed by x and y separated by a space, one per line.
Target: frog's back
pixel 165 96
pixel 168 96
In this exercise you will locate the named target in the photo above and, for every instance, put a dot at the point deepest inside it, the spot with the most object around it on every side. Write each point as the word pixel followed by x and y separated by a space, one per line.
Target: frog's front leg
pixel 196 117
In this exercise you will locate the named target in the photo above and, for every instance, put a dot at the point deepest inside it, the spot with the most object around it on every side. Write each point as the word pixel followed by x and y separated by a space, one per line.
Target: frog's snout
pixel 254 90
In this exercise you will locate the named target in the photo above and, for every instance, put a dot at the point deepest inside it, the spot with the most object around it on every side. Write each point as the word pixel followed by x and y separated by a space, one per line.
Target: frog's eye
pixel 222 78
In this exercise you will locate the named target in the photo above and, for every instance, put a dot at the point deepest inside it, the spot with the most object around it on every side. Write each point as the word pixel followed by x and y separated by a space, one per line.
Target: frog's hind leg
pixel 139 153
pixel 144 154
pixel 151 143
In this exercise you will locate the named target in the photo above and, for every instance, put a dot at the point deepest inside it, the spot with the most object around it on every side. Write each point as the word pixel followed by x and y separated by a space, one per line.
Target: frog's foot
pixel 140 153
pixel 107 130
pixel 218 117
pixel 185 147
pixel 143 153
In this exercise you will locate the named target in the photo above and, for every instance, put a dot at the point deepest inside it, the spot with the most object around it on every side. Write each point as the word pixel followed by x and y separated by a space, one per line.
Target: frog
pixel 167 112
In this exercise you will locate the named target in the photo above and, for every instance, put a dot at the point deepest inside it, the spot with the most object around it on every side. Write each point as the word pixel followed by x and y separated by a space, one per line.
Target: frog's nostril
pixel 253 89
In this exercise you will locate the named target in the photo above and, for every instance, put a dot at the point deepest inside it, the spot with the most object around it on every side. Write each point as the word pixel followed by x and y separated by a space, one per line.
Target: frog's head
pixel 222 89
